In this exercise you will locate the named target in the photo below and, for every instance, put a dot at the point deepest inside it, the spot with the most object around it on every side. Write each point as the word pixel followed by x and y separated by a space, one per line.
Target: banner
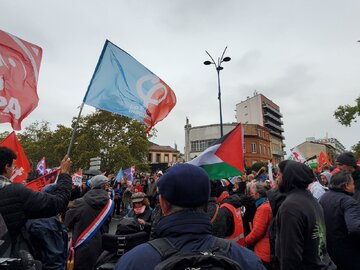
pixel 119 176
pixel 19 71
pixel 77 178
pixel 38 183
pixel 129 172
pixel 122 85
pixel 22 165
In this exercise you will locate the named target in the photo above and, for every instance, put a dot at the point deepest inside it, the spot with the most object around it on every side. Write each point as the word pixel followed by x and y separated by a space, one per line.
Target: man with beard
pixel 300 226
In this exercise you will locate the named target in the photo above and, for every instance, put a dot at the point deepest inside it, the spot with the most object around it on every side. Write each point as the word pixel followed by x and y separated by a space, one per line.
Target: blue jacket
pixel 187 231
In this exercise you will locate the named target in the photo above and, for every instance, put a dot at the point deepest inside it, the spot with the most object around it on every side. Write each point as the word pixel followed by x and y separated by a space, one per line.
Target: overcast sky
pixel 301 54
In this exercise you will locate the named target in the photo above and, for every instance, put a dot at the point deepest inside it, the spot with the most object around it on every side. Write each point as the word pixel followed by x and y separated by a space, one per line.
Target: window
pixel 260 146
pixel 174 159
pixel 264 150
pixel 253 147
pixel 150 157
pixel 201 145
pixel 158 156
pixel 244 147
pixel 166 158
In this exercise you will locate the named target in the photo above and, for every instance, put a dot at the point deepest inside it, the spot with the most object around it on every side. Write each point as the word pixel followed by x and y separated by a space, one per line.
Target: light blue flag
pixel 119 176
pixel 122 85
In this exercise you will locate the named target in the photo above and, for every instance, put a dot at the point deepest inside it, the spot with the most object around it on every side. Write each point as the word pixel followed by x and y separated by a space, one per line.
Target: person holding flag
pixel 19 203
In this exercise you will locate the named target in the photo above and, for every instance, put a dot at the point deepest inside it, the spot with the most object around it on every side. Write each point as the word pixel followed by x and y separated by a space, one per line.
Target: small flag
pixel 38 183
pixel 129 172
pixel 41 167
pixel 298 157
pixel 22 165
pixel 19 71
pixel 122 85
pixel 322 161
pixel 77 178
pixel 119 176
pixel 225 158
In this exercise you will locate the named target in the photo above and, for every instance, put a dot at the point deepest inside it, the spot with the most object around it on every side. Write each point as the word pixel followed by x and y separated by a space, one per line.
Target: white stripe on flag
pixel 207 157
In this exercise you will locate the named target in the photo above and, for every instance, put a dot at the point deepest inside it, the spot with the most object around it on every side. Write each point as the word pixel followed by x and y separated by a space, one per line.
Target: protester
pixel 151 191
pixel 49 239
pixel 81 218
pixel 342 219
pixel 259 235
pixel 118 192
pixel 19 203
pixel 185 223
pixel 347 161
pixel 141 210
pixel 300 226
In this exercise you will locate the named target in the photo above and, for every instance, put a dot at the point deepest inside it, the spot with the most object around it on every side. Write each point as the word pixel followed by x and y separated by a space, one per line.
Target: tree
pixel 347 114
pixel 356 149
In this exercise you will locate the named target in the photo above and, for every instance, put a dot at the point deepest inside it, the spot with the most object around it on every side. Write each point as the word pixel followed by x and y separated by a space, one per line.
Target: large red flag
pixel 19 71
pixel 22 166
pixel 38 183
pixel 323 161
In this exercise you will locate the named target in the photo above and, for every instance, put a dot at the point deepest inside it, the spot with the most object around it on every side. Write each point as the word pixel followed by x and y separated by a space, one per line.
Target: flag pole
pixel 74 130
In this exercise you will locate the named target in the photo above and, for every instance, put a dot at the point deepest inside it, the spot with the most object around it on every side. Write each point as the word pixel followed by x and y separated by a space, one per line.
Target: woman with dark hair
pixel 342 218
pixel 259 235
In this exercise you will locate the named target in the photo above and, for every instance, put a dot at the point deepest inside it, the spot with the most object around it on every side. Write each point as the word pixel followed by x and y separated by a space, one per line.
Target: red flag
pixel 38 183
pixel 22 166
pixel 322 161
pixel 19 70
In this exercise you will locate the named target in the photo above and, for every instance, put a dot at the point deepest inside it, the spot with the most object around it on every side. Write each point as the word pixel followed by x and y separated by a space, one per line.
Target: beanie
pixel 99 180
pixel 347 158
pixel 185 185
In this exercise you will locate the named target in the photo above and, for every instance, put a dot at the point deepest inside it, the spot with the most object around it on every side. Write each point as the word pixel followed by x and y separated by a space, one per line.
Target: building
pixel 256 141
pixel 159 154
pixel 262 111
pixel 339 148
pixel 309 149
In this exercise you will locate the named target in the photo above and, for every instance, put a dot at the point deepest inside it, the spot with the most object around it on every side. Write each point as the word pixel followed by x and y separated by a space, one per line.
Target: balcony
pixel 278 153
pixel 272 125
pixel 277 134
pixel 274 118
pixel 272 110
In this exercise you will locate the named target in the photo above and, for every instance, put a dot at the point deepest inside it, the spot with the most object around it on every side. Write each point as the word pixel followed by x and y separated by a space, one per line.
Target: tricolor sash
pixel 89 232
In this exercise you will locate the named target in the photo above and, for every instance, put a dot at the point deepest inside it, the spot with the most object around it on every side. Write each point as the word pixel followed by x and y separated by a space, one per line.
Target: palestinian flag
pixel 225 158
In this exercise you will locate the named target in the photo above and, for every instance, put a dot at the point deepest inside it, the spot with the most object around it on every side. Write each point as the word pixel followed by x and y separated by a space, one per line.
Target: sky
pixel 301 54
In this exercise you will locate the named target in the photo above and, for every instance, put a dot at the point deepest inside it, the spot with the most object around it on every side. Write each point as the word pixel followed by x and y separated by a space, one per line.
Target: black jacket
pixel 19 203
pixel 301 234
pixel 342 218
pixel 78 218
pixel 219 223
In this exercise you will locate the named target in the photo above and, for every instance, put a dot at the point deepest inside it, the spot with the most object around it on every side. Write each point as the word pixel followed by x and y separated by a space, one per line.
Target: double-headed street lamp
pixel 218 68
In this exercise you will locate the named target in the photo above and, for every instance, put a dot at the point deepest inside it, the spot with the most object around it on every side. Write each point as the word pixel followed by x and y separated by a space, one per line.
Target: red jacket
pixel 259 235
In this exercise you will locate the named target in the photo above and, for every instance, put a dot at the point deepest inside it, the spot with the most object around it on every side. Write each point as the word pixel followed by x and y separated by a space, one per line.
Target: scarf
pixel 259 201
pixel 139 210
pixel 4 181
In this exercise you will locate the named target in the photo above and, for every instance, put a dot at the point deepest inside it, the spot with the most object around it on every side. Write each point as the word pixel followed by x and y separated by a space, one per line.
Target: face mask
pixel 139 210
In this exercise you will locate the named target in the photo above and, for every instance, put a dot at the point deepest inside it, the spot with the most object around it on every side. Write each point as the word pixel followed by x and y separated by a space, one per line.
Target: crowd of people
pixel 303 219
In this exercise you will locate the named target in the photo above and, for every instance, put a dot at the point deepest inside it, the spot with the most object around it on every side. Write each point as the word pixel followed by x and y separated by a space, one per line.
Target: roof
pixel 160 148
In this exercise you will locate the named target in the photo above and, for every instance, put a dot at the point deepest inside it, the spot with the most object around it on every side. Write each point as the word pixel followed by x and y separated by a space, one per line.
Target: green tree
pixel 356 149
pixel 347 114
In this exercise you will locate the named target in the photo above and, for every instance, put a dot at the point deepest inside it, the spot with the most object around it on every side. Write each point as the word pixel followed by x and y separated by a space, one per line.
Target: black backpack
pixel 213 258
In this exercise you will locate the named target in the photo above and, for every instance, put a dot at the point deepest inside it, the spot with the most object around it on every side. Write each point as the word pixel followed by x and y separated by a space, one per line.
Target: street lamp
pixel 218 68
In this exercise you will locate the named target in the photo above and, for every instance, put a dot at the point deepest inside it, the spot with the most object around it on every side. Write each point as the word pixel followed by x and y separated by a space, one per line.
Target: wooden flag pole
pixel 74 130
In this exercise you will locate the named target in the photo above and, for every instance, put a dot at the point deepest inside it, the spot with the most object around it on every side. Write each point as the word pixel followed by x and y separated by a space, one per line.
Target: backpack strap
pixel 164 247
pixel 221 246
pixel 215 214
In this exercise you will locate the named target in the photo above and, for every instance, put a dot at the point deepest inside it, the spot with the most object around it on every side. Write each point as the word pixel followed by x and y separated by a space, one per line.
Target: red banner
pixel 38 183
pixel 22 166
pixel 19 71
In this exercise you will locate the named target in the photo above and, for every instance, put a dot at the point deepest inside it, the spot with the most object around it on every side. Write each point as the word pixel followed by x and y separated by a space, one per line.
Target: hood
pixel 275 199
pixel 294 175
pixel 234 200
pixel 96 198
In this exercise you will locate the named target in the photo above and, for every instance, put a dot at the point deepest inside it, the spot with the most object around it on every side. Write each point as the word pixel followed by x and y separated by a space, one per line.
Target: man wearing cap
pixel 184 192
pixel 300 224
pixel 347 161
pixel 79 218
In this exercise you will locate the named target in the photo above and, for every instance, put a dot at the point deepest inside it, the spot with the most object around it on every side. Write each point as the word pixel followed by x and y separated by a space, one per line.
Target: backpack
pixel 213 258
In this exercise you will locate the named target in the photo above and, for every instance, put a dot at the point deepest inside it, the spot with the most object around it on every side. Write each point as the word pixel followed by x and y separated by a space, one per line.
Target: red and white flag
pixel 22 165
pixel 41 166
pixel 39 183
pixel 19 71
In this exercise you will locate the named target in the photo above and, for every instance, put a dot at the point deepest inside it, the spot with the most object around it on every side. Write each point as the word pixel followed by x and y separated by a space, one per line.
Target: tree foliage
pixel 347 114
pixel 356 149
pixel 118 140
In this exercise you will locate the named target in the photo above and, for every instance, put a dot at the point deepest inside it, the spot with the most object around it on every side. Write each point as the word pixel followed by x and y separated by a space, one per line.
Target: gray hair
pixel 340 179
pixel 261 188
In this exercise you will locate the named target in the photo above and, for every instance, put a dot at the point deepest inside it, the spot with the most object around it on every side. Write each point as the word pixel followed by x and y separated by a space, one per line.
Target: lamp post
pixel 218 67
